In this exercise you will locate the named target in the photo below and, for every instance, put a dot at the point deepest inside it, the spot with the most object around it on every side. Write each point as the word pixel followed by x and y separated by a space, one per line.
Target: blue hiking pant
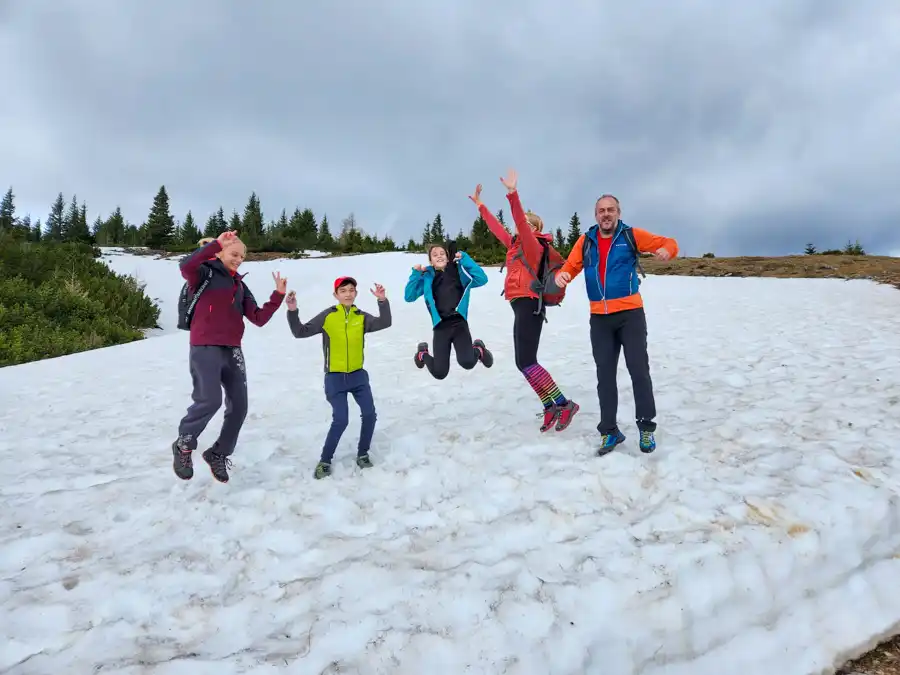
pixel 337 386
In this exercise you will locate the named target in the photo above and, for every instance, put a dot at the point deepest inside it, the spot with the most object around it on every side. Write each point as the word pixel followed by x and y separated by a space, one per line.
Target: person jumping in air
pixel 216 360
pixel 609 255
pixel 343 328
pixel 529 256
pixel 445 285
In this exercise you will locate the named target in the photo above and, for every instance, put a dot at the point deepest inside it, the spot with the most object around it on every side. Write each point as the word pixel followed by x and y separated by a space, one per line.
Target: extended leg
pixel 362 394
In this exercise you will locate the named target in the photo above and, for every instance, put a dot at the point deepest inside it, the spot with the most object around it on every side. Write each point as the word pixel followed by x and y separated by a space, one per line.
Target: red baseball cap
pixel 340 281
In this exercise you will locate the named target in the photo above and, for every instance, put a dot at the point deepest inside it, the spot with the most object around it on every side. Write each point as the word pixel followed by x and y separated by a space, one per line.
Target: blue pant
pixel 337 386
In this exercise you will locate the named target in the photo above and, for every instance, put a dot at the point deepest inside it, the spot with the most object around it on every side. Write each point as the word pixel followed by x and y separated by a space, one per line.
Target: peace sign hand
pixel 280 282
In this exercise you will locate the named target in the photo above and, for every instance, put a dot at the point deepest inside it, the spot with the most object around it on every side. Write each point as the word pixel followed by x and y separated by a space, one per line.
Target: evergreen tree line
pixel 300 230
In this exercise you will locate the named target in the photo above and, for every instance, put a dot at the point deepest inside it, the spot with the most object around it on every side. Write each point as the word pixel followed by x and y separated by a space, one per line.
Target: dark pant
pixel 527 328
pixel 625 330
pixel 212 370
pixel 450 332
pixel 337 386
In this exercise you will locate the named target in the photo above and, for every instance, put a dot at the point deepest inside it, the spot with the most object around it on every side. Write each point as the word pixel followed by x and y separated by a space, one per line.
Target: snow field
pixel 764 532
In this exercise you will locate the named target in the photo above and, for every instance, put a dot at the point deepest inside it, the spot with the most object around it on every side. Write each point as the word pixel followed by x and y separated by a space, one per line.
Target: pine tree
pixel 326 241
pixel 78 229
pixel 234 223
pixel 115 227
pixel 55 219
pixel 251 228
pixel 426 235
pixel 160 223
pixel 37 233
pixel 560 241
pixel 8 211
pixel 190 234
pixel 574 231
pixel 437 230
pixel 810 249
pixel 281 226
pixel 70 220
pixel 481 233
pixel 307 229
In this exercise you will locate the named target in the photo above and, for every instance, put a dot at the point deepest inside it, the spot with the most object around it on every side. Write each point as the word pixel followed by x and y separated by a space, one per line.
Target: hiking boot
pixel 566 413
pixel 484 354
pixel 323 470
pixel 182 461
pixel 363 462
pixel 648 442
pixel 421 351
pixel 608 442
pixel 218 464
pixel 551 414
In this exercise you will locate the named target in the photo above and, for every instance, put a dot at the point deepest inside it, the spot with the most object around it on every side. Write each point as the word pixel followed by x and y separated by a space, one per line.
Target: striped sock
pixel 543 385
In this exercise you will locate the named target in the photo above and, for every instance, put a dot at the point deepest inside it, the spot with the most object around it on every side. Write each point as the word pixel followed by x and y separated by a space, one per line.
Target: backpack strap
pixel 629 237
pixel 207 277
pixel 540 291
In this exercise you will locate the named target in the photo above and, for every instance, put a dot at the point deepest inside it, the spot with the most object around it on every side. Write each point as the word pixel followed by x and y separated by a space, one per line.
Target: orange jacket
pixel 518 281
pixel 620 292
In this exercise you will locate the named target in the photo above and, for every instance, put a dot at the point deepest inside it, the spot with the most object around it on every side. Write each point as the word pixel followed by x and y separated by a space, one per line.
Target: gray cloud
pixel 735 127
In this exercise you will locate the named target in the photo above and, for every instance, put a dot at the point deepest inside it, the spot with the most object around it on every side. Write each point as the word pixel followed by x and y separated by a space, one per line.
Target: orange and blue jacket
pixel 612 283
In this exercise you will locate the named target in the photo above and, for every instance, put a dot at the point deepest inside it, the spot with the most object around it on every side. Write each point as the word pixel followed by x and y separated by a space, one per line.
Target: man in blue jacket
pixel 445 285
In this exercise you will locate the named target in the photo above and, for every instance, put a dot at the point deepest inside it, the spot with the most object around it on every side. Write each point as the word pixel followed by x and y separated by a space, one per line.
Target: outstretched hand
pixel 662 254
pixel 562 279
pixel 378 292
pixel 511 180
pixel 280 283
pixel 419 268
pixel 291 300
pixel 477 196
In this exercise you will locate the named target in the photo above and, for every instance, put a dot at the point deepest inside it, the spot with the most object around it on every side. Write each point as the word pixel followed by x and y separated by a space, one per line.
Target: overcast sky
pixel 736 127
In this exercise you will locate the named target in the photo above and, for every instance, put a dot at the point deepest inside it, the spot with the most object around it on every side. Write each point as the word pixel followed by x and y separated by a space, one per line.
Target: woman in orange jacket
pixel 528 254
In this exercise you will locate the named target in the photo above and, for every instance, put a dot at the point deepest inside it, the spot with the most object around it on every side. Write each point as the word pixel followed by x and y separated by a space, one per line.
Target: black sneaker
pixel 484 354
pixel 218 464
pixel 363 462
pixel 421 350
pixel 182 461
pixel 323 470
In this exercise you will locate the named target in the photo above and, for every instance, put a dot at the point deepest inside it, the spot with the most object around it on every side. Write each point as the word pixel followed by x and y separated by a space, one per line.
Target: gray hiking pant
pixel 212 370
pixel 610 334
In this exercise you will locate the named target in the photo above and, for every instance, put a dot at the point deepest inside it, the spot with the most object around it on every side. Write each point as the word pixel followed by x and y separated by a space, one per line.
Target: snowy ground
pixel 763 534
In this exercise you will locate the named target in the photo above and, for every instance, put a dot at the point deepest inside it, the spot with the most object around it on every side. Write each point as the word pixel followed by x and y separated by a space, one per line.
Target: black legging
pixel 527 328
pixel 450 332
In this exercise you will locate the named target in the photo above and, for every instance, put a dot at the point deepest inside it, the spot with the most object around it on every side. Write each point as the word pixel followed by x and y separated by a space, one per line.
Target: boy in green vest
pixel 343 328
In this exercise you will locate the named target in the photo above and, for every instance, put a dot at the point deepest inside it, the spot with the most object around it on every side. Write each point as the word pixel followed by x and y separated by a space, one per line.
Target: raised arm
pixel 190 266
pixel 415 286
pixel 259 316
pixel 305 330
pixel 479 278
pixel 494 225
pixel 383 320
pixel 647 242
pixel 530 245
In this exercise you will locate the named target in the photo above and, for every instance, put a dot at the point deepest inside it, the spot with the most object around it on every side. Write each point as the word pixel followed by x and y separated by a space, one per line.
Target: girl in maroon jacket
pixel 216 359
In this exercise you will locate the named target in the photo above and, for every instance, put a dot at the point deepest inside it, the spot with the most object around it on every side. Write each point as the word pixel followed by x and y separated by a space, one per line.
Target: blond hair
pixel 534 220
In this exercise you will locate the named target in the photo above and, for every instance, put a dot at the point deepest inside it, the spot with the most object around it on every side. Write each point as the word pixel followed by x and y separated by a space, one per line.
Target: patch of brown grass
pixel 883 660
pixel 882 269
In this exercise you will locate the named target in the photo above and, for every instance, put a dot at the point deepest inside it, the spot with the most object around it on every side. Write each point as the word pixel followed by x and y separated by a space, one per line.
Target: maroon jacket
pixel 219 315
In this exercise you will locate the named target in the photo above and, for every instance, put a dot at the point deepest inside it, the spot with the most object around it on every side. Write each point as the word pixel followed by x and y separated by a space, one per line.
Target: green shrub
pixel 58 299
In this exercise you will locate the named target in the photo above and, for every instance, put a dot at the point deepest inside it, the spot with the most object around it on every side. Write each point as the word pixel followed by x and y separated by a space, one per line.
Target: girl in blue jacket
pixel 445 285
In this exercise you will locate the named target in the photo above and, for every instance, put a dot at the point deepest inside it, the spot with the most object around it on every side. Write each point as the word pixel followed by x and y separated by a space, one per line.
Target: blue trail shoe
pixel 608 442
